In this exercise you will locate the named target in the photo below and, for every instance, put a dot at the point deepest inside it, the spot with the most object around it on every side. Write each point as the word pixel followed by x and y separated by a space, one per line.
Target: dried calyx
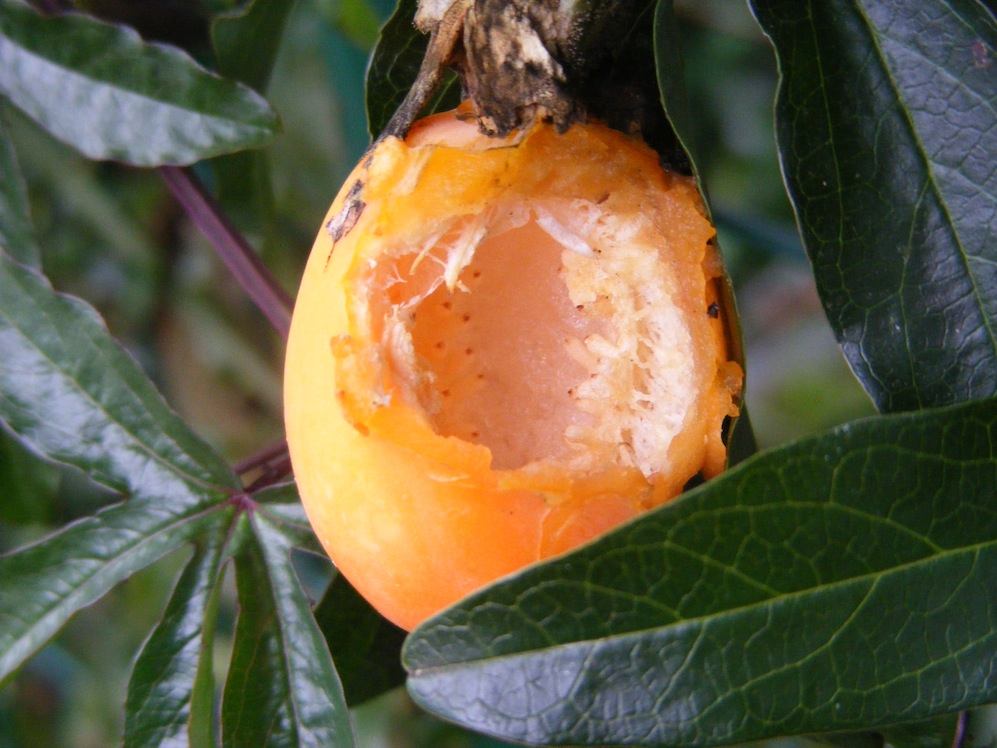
pixel 520 61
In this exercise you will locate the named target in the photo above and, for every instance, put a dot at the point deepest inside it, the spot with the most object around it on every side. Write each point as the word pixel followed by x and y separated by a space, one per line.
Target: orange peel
pixel 510 346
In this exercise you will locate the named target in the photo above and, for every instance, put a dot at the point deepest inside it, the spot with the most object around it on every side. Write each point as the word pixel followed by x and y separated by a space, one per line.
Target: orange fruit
pixel 512 346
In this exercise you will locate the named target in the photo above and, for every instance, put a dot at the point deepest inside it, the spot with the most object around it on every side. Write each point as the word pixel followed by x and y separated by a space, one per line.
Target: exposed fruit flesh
pixel 513 349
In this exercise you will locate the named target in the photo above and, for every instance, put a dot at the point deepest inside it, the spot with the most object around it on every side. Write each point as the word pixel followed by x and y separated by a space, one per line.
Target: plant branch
pixel 261 458
pixel 231 246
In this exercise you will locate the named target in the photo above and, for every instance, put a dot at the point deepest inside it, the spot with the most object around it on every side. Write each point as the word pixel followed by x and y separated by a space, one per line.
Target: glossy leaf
pixel 842 582
pixel 365 646
pixel 46 583
pixel 70 391
pixel 282 688
pixel 171 691
pixel 101 89
pixel 17 235
pixel 888 135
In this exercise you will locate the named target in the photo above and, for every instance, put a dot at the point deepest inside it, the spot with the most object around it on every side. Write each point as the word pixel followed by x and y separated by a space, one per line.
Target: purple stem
pixel 262 458
pixel 960 730
pixel 231 246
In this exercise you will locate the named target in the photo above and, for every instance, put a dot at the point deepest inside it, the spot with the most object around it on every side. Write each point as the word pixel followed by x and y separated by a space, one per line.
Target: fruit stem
pixel 231 246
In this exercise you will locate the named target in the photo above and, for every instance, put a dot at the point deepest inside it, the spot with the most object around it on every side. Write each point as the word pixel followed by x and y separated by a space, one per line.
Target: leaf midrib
pixel 922 154
pixel 15 645
pixel 147 449
pixel 872 579
pixel 170 106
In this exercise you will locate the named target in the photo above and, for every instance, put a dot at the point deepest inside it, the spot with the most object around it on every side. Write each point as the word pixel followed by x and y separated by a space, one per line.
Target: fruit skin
pixel 416 520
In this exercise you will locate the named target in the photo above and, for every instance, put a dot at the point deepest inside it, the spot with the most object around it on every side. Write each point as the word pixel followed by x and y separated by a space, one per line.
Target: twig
pixel 261 458
pixel 272 473
pixel 231 246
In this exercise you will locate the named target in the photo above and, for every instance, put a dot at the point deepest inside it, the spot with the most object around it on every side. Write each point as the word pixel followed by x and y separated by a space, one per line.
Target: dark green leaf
pixel 46 583
pixel 671 82
pixel 17 235
pixel 835 584
pixel 171 692
pixel 888 134
pixel 282 688
pixel 393 65
pixel 365 646
pixel 70 391
pixel 104 91
pixel 27 484
pixel 246 41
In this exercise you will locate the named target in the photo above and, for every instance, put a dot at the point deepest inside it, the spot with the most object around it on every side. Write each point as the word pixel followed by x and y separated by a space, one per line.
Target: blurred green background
pixel 114 236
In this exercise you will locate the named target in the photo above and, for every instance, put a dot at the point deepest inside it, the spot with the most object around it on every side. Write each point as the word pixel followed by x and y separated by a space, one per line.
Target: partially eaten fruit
pixel 511 346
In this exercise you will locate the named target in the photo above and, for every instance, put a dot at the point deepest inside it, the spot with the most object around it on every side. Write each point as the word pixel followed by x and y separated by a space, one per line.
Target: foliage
pixel 839 585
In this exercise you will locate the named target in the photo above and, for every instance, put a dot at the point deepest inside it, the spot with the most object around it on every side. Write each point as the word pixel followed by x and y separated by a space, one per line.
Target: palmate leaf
pixel 72 394
pixel 839 583
pixel 171 691
pixel 101 89
pixel 282 688
pixel 46 583
pixel 887 129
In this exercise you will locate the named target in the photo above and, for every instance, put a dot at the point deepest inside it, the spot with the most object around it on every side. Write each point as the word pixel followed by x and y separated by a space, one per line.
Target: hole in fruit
pixel 506 370
pixel 537 349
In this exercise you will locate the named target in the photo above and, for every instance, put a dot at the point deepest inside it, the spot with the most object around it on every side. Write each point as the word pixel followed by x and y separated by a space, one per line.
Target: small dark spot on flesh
pixel 475 434
pixel 468 351
pixel 602 199
pixel 580 307
pixel 713 310
pixel 440 345
pixel 476 274
pixel 467 317
pixel 445 393
pixel 448 305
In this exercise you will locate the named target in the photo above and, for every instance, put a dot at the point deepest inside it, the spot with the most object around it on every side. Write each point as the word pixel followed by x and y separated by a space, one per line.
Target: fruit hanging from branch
pixel 509 337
